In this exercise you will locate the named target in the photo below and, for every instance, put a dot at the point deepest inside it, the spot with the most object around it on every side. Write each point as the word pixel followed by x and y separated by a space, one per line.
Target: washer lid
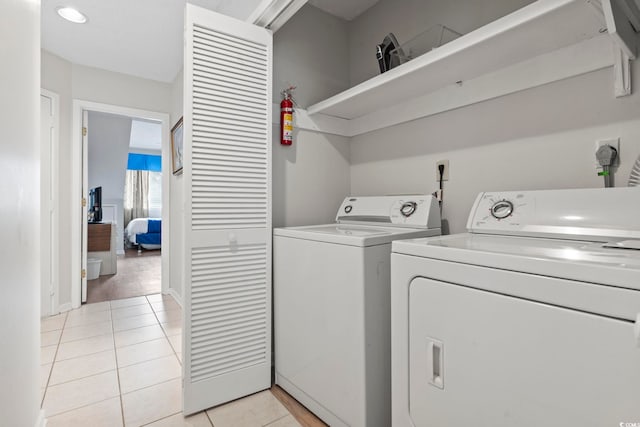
pixel 353 235
pixel 587 261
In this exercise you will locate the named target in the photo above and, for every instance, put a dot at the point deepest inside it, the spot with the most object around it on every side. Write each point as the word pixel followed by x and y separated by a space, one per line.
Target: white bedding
pixel 137 226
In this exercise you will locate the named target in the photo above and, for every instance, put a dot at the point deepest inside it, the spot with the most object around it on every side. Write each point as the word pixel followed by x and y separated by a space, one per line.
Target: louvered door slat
pixel 221 112
pixel 205 73
pixel 230 101
pixel 227 171
pixel 222 39
pixel 204 65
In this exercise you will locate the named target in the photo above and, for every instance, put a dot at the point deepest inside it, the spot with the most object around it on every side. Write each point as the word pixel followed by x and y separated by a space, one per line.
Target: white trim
pixel 176 296
pixel 76 185
pixel 65 307
pixel 41 421
pixel 55 173
pixel 273 14
pixel 621 73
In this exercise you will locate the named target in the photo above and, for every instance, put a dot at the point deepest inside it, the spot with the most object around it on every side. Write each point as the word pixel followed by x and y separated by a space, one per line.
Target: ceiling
pixel 145 135
pixel 143 38
pixel 138 37
pixel 345 9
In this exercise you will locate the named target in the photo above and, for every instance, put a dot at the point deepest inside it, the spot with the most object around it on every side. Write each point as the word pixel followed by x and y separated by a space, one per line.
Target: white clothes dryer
pixel 530 319
pixel 332 306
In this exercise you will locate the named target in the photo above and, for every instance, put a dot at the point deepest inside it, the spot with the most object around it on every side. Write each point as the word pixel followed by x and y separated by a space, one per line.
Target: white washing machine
pixel 531 319
pixel 332 306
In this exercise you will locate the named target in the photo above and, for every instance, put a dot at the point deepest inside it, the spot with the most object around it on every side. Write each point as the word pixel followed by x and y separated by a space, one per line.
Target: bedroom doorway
pixel 121 148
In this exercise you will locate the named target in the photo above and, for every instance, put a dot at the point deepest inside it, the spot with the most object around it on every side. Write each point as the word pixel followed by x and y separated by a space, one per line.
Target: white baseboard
pixel 175 296
pixel 41 421
pixel 65 307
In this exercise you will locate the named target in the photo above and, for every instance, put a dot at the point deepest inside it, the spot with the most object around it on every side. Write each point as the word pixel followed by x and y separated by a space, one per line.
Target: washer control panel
pixel 417 211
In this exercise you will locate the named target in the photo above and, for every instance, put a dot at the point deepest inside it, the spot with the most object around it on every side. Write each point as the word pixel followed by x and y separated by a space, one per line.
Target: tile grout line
pixel 160 419
pixel 206 413
pixel 114 349
pixel 175 353
pixel 82 378
pixel 278 419
pixel 81 407
pixel 53 362
pixel 117 368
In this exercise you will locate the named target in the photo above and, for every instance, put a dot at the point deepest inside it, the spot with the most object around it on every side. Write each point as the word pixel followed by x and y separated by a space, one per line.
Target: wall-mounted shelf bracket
pixel 622 73
pixel 622 18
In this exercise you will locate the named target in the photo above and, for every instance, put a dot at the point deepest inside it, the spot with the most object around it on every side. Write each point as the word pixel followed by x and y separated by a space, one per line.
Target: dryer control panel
pixel 595 214
pixel 415 211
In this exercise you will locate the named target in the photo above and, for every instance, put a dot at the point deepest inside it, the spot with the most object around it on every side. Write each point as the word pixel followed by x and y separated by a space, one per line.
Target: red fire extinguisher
pixel 286 117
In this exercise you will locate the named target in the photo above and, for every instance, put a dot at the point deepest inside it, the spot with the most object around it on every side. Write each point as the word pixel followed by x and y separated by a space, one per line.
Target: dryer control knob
pixel 408 208
pixel 502 209
pixel 348 208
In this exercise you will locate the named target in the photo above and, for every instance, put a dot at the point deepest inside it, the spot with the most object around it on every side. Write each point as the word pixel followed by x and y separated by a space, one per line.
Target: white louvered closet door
pixel 227 177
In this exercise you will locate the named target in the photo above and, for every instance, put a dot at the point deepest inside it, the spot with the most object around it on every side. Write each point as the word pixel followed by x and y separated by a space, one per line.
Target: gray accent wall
pixel 108 140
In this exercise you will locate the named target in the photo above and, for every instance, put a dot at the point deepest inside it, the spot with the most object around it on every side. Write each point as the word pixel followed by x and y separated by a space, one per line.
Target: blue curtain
pixel 144 162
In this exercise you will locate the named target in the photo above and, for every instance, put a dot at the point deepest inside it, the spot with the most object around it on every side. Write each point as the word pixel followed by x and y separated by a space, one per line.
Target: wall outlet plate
pixel 445 175
pixel 615 143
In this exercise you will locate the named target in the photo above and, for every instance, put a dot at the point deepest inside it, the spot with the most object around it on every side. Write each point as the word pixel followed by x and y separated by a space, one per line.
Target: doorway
pixel 82 231
pixel 124 186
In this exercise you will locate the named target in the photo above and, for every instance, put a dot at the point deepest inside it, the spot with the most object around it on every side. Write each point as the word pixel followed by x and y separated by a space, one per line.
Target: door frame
pixel 54 232
pixel 78 166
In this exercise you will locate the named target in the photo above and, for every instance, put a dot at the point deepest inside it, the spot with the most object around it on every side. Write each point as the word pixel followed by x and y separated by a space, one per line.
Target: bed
pixel 144 233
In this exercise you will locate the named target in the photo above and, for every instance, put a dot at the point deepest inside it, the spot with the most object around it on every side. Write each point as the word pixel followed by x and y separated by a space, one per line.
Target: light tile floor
pixel 117 363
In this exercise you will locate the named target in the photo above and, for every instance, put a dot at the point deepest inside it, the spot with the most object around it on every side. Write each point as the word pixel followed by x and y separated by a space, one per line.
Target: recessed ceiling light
pixel 72 15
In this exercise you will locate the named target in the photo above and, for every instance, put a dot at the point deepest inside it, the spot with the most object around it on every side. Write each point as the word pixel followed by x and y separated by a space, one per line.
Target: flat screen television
pixel 95 205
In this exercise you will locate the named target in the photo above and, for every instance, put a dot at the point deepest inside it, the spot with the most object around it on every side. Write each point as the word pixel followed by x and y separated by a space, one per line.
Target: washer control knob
pixel 408 208
pixel 502 209
pixel 348 208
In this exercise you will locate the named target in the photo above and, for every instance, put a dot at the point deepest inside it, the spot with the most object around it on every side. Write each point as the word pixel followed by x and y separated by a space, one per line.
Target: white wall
pixel 407 19
pixel 108 139
pixel 311 177
pixel 176 232
pixel 311 52
pixel 20 216
pixel 72 81
pixel 541 138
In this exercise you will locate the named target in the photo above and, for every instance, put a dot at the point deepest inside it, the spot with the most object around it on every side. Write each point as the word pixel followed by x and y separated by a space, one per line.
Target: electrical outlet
pixel 445 175
pixel 615 143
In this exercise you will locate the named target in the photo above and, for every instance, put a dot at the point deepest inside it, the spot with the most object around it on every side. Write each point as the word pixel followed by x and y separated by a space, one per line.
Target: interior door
pixel 85 193
pixel 227 177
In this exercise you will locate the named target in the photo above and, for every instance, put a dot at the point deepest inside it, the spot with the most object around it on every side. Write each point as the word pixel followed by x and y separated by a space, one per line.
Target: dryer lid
pixel 584 261
pixel 596 214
